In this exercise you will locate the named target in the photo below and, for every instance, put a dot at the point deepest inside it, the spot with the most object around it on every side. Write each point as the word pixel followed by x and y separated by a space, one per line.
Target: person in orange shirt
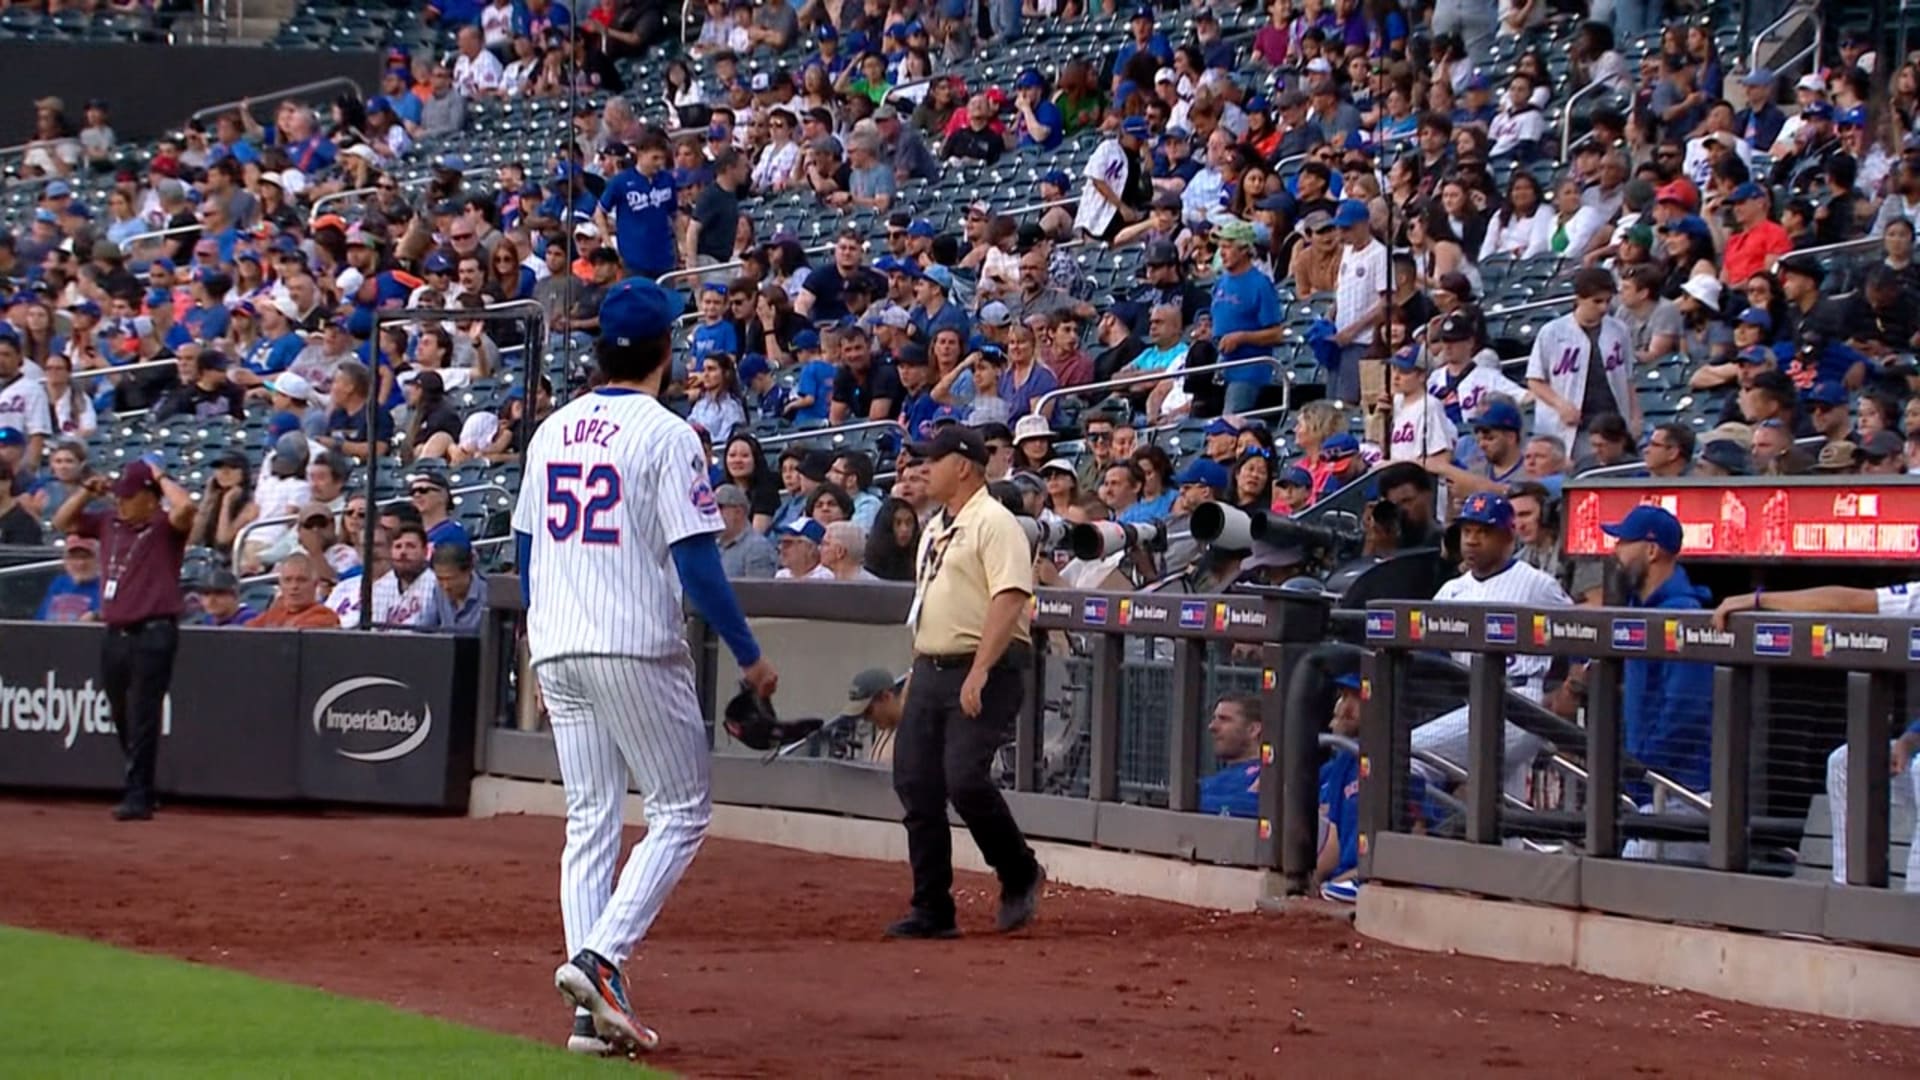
pixel 1758 240
pixel 297 607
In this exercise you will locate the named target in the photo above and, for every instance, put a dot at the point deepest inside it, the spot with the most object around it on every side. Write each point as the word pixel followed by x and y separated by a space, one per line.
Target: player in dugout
pixel 1890 601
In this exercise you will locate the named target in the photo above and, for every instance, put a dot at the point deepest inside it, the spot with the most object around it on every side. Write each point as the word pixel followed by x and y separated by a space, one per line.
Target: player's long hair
pixel 633 363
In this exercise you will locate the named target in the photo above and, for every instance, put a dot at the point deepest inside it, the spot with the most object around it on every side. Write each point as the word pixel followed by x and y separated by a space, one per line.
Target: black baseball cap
pixel 952 439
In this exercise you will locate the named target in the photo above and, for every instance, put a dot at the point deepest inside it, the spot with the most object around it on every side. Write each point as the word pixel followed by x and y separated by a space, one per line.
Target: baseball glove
pixel 750 719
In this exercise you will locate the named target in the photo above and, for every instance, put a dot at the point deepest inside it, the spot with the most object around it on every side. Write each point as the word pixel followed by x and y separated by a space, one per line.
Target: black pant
pixel 136 664
pixel 942 755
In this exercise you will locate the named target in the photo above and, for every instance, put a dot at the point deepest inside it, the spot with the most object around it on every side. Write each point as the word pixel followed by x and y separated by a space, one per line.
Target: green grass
pixel 78 1009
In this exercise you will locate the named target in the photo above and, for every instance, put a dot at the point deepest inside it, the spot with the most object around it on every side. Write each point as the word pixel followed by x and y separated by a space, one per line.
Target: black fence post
pixel 1104 721
pixel 1868 785
pixel 1603 758
pixel 1290 756
pixel 1028 732
pixel 706 672
pixel 1383 750
pixel 1728 818
pixel 1486 743
pixel 1183 733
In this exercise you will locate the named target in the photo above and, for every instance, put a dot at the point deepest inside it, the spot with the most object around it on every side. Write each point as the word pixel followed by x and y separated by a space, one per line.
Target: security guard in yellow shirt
pixel 972 589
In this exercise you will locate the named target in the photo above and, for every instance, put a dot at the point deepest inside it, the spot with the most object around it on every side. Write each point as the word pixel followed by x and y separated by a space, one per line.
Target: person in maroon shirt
pixel 141 547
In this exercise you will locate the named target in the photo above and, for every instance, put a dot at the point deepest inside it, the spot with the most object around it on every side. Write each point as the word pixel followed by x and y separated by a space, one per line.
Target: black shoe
pixel 1017 908
pixel 920 925
pixel 133 810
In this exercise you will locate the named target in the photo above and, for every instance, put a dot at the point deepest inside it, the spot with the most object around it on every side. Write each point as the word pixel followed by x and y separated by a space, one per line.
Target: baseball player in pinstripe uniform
pixel 614 505
pixel 1494 576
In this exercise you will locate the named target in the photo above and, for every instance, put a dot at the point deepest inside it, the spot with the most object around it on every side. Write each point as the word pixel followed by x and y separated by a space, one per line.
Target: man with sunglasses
pixel 428 491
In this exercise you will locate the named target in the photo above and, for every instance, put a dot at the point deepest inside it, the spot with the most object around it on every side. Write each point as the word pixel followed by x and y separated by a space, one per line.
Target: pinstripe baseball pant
pixel 1446 736
pixel 1903 792
pixel 618 719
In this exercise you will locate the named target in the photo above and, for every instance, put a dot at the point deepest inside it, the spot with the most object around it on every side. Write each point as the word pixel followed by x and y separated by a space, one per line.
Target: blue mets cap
pixel 806 339
pixel 1486 508
pixel 1854 117
pixel 752 366
pixel 1650 524
pixel 1029 80
pixel 1351 212
pixel 803 529
pixel 1339 447
pixel 1295 476
pixel 1817 110
pixel 1135 126
pixel 637 309
pixel 437 263
pixel 1348 680
pixel 1058 178
pixel 1203 471
pixel 1407 359
pixel 1827 393
pixel 1754 316
pixel 1757 354
pixel 1748 190
pixel 1220 425
pixel 923 229
pixel 1498 416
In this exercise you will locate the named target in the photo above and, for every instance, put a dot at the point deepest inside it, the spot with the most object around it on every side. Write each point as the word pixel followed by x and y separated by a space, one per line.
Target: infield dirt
pixel 769 962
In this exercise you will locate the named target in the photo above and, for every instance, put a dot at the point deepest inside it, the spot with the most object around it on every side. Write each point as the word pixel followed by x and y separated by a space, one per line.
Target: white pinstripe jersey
pixel 1521 585
pixel 613 479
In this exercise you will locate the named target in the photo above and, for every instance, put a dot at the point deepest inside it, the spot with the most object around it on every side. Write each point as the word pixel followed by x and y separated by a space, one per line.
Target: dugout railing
pixel 1125 682
pixel 1588 871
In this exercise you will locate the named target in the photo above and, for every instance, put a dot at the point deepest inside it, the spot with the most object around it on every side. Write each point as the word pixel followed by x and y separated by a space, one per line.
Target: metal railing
pixel 830 432
pixel 1532 305
pixel 1040 404
pixel 128 244
pixel 313 214
pixel 18 569
pixel 144 365
pixel 301 90
pixel 667 279
pixel 1566 118
pixel 1759 39
pixel 1844 247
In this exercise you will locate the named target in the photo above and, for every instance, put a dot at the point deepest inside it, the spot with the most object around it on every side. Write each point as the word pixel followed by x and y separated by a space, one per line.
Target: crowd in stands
pixel 1299 231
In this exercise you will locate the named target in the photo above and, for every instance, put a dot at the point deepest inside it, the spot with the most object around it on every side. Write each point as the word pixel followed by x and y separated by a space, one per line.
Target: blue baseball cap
pixel 1854 117
pixel 1135 126
pixel 1029 80
pixel 1351 212
pixel 451 163
pixel 1142 13
pixel 1757 77
pixel 1339 447
pixel 1757 354
pixel 887 264
pixel 156 297
pixel 1748 190
pixel 1498 416
pixel 806 339
pixel 85 307
pixel 48 217
pixel 12 436
pixel 1691 224
pixel 1348 680
pixel 1754 316
pixel 437 263
pixel 378 104
pixel 281 423
pixel 1407 359
pixel 826 32
pixel 1818 110
pixel 1650 524
pixel 1486 508
pixel 59 189
pixel 1203 471
pixel 923 229
pixel 1058 178
pixel 1296 476
pixel 803 529
pixel 1827 393
pixel 1220 425
pixel 940 276
pixel 1479 81
pixel 637 309
pixel 752 366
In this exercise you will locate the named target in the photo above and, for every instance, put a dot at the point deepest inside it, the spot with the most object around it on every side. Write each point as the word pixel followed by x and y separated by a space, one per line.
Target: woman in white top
pixel 1510 230
pixel 779 158
pixel 682 89
pixel 72 410
pixel 1569 229
pixel 516 79
pixel 1518 127
pixel 1435 256
pixel 718 410
pixel 1596 61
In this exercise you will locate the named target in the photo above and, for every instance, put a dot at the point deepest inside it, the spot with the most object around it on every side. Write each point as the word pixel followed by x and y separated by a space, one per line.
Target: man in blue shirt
pixel 74 595
pixel 813 388
pixel 1234 791
pixel 932 310
pixel 917 407
pixel 637 209
pixel 280 346
pixel 1339 854
pixel 460 602
pixel 1145 39
pixel 1246 316
pixel 1039 120
pixel 1666 706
